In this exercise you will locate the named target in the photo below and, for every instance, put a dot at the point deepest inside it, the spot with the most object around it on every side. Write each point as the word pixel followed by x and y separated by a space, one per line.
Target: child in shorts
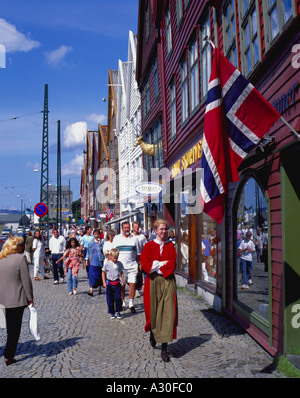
pixel 112 277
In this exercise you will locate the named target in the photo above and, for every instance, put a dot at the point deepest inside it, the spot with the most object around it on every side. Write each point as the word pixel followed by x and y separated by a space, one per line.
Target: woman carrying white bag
pixel 16 292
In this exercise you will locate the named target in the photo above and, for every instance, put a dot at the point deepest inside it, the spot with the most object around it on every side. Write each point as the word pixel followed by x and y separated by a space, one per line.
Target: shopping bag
pixel 2 317
pixel 33 323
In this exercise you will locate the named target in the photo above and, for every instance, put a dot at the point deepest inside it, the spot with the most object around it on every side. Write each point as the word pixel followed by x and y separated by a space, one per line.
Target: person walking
pixel 246 249
pixel 16 292
pixel 73 256
pixel 84 243
pixel 108 243
pixel 57 246
pixel 94 260
pixel 38 248
pixel 28 247
pixel 142 241
pixel 158 260
pixel 129 250
pixel 112 277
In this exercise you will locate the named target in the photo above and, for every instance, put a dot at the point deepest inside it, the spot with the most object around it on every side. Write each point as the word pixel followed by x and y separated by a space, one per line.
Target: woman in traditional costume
pixel 158 260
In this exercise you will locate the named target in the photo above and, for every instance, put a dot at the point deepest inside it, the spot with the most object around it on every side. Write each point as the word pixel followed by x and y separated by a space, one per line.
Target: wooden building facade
pixel 173 69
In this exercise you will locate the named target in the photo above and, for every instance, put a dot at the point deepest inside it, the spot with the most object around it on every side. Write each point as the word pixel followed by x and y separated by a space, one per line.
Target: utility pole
pixel 58 185
pixel 44 198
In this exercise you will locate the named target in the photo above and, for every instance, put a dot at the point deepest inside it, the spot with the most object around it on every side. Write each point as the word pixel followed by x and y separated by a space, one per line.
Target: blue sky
pixel 69 45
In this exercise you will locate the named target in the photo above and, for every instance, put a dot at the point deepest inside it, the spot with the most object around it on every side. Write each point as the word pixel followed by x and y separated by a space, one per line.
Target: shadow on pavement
pixel 33 349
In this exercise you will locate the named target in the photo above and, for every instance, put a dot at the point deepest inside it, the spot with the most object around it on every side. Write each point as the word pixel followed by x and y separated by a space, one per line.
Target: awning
pixel 133 213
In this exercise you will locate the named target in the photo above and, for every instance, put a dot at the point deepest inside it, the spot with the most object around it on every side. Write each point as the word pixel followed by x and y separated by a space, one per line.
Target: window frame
pixel 269 41
pixel 173 109
pixel 193 66
pixel 205 56
pixel 246 19
pixel 168 27
pixel 230 49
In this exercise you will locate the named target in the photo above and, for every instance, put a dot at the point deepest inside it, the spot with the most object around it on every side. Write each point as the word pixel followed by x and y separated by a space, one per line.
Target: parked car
pixel 6 231
pixel 20 229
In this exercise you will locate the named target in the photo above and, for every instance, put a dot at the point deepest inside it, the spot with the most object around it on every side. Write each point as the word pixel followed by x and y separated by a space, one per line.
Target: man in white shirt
pixel 57 246
pixel 246 249
pixel 129 250
pixel 142 241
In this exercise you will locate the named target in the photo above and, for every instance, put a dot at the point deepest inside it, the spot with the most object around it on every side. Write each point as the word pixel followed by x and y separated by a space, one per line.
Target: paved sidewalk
pixel 78 340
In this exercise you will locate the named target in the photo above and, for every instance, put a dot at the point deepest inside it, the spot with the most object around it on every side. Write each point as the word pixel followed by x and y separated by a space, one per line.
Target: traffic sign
pixel 40 209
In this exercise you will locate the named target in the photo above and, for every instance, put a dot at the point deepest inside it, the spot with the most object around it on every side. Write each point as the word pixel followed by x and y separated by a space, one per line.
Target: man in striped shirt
pixel 129 250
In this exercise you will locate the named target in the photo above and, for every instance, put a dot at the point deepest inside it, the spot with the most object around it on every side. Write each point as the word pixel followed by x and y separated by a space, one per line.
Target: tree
pixel 76 209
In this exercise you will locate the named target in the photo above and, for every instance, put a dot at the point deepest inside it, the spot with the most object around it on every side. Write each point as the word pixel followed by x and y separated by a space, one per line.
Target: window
pixel 252 283
pixel 147 22
pixel 146 99
pixel 158 152
pixel 184 92
pixel 173 108
pixel 277 13
pixel 179 11
pixel 111 151
pixel 250 39
pixel 155 77
pixel 205 57
pixel 116 147
pixel 229 32
pixel 168 30
pixel 194 75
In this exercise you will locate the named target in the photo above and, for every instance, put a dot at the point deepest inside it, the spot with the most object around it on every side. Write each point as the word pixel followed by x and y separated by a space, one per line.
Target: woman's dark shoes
pixel 90 294
pixel 9 361
pixel 152 340
pixel 164 356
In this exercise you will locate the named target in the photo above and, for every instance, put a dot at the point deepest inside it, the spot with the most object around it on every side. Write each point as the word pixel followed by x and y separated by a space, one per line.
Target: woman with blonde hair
pixel 158 260
pixel 16 292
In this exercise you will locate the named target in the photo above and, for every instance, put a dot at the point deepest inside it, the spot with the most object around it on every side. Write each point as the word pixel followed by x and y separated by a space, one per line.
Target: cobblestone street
pixel 79 340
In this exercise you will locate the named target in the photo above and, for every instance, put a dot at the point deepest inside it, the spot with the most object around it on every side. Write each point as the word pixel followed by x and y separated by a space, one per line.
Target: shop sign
pixel 285 100
pixel 148 188
pixel 190 157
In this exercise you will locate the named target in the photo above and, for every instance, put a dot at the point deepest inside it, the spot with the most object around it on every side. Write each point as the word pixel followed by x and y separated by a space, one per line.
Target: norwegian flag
pixel 108 213
pixel 236 119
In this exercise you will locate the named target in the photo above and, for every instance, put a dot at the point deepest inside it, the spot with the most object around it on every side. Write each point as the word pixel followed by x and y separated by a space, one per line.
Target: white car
pixel 6 231
pixel 20 229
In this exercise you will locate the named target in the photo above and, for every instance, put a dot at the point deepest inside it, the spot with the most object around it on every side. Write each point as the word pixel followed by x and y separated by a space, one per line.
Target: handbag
pixel 33 323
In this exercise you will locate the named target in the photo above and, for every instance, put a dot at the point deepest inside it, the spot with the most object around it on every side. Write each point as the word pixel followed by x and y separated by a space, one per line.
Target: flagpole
pixel 210 42
pixel 290 127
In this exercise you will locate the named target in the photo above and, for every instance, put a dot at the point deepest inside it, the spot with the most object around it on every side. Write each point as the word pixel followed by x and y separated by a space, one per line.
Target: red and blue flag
pixel 108 213
pixel 237 117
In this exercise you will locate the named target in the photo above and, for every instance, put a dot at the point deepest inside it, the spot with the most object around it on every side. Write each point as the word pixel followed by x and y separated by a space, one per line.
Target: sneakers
pixel 56 283
pixel 74 291
pixel 250 282
pixel 245 287
pixel 117 315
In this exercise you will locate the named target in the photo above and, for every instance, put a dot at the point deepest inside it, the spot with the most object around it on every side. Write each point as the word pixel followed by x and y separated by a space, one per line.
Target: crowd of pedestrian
pixel 111 260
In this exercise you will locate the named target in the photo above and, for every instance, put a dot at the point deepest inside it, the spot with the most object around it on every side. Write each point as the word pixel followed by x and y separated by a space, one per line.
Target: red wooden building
pixel 262 39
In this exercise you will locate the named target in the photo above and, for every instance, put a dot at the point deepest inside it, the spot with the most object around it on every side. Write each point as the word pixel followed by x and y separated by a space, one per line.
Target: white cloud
pixel 96 118
pixel 74 166
pixel 57 57
pixel 74 135
pixel 33 166
pixel 13 40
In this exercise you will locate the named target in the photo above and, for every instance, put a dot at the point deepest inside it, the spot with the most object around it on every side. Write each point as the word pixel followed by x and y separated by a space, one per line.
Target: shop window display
pixel 252 284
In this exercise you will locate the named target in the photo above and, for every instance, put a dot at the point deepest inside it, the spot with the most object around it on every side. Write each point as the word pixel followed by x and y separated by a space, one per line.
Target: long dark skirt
pixel 95 276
